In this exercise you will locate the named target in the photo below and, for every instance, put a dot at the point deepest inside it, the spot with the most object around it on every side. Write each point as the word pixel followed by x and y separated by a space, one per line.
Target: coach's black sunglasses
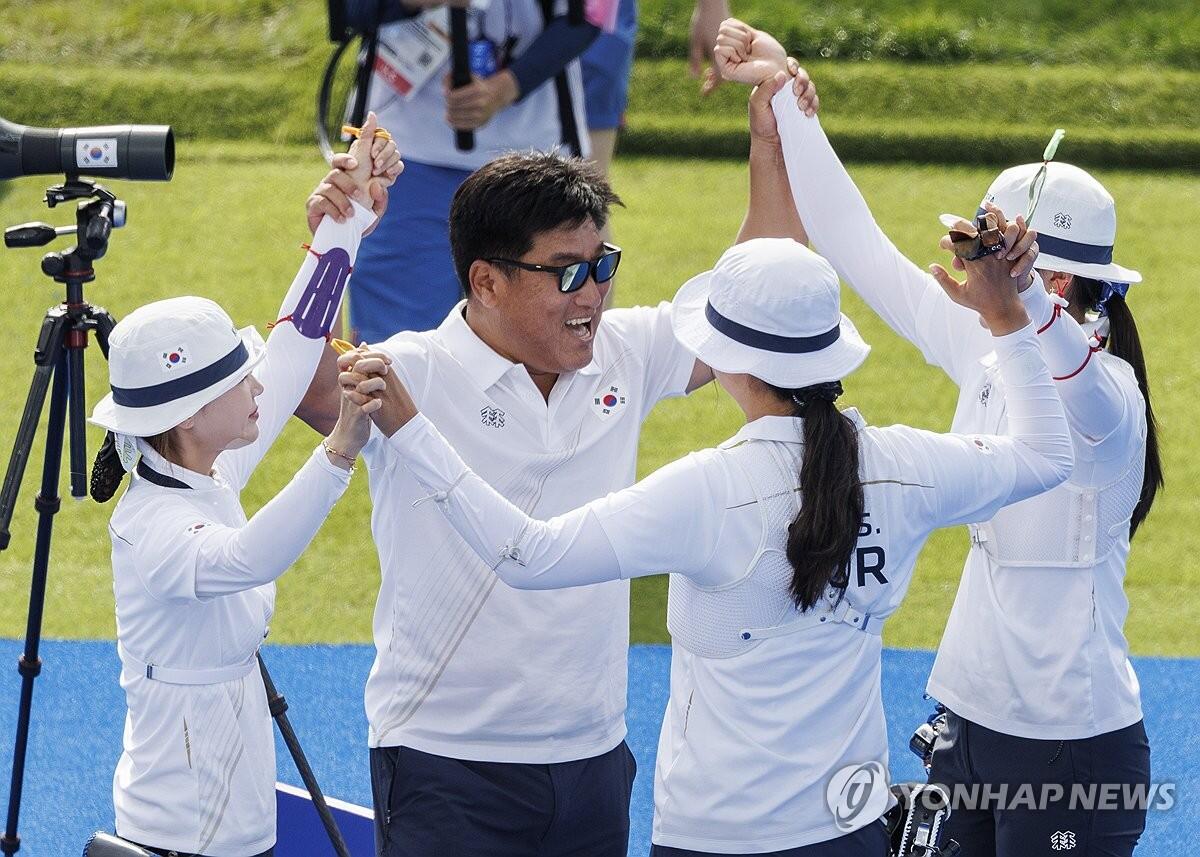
pixel 572 277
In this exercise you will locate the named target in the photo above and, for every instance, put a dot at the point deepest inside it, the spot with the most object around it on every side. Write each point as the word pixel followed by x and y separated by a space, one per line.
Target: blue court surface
pixel 79 711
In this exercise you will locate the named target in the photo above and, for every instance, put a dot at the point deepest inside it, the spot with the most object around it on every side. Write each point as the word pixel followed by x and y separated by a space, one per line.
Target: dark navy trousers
pixel 869 841
pixel 434 806
pixel 270 852
pixel 967 753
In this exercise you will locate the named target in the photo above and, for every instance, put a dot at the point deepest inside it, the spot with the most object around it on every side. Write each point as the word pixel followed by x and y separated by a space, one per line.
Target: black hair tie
pixel 827 392
pixel 107 471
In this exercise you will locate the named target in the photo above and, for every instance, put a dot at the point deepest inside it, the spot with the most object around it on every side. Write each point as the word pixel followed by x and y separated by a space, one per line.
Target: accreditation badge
pixel 411 52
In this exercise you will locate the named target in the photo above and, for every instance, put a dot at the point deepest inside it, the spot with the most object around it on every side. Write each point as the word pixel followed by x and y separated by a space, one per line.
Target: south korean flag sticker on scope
pixel 96 153
pixel 608 402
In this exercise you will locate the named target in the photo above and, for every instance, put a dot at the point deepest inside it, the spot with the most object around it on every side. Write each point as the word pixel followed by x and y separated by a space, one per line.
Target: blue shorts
pixel 404 275
pixel 869 841
pixel 434 806
pixel 606 66
pixel 967 753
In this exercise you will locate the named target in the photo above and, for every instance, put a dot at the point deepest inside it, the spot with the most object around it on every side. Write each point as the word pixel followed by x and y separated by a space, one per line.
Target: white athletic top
pixel 418 124
pixel 468 669
pixel 194 586
pixel 751 738
pixel 1034 646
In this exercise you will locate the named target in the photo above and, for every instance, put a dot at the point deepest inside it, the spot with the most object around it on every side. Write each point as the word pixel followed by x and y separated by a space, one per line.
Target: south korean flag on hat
pixel 174 358
pixel 608 402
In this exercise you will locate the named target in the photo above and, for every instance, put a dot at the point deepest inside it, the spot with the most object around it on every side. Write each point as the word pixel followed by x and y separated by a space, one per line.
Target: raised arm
pixel 974 476
pixel 189 557
pixel 1102 402
pixel 307 313
pixel 618 536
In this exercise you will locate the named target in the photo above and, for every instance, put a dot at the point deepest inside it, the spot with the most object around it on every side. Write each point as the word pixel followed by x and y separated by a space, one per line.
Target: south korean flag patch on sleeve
pixel 982 445
pixel 196 527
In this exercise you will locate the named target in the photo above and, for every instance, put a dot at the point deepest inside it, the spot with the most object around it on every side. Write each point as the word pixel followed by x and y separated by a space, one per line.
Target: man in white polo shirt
pixel 497 716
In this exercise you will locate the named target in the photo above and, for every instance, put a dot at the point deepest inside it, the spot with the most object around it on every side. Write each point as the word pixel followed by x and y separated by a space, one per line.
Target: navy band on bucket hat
pixel 769 308
pixel 170 358
pixel 1075 219
pixel 186 385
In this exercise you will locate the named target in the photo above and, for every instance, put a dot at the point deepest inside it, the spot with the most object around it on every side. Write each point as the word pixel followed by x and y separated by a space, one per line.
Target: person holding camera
pixel 1025 705
pixel 194 406
pixel 789 545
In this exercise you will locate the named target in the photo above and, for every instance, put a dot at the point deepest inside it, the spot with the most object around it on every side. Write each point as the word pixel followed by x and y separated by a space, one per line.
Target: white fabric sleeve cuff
pixel 1036 419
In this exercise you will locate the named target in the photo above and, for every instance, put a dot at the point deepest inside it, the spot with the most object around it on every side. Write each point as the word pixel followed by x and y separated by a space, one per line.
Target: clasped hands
pixel 365 377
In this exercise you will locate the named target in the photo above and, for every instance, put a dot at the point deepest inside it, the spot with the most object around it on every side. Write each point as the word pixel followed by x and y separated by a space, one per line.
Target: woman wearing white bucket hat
pixel 194 406
pixel 1033 664
pixel 791 544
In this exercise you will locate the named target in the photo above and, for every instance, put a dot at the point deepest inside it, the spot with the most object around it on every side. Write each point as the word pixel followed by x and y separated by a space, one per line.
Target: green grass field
pixel 229 227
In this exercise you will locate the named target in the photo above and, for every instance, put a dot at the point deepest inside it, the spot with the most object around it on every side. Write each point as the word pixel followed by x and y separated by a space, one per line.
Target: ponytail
pixel 822 537
pixel 1124 342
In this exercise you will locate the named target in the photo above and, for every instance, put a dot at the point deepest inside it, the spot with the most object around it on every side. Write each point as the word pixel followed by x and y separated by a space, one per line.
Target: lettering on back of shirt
pixel 868 559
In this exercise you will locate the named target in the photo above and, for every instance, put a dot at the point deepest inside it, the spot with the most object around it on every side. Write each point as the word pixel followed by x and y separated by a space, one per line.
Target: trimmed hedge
pixel 1057 97
pixel 286 35
pixel 945 142
pixel 1112 32
pixel 878 112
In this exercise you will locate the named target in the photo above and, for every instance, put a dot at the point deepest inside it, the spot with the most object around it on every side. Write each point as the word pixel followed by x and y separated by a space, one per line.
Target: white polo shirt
pixel 760 720
pixel 466 667
pixel 1056 561
pixel 418 124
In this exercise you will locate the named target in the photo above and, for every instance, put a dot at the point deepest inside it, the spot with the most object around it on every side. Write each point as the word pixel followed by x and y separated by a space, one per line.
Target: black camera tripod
pixel 58 361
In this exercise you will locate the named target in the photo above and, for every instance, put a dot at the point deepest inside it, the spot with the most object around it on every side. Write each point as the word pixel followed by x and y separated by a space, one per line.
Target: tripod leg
pixel 47 357
pixel 76 439
pixel 278 708
pixel 29 665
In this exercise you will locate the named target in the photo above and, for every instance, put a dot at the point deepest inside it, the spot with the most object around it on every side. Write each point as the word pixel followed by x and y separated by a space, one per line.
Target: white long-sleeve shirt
pixel 1056 561
pixel 753 734
pixel 194 586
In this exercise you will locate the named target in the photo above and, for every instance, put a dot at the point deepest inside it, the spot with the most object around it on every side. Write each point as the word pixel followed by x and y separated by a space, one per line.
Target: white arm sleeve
pixel 1098 401
pixel 188 558
pixel 297 340
pixel 843 230
pixel 617 536
pixel 972 476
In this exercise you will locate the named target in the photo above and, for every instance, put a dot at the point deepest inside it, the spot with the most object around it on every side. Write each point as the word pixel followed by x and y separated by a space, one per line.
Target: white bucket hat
pixel 1075 218
pixel 770 308
pixel 167 360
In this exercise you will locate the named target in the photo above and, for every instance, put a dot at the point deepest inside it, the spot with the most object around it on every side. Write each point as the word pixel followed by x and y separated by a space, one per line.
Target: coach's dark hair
pixel 1124 342
pixel 501 206
pixel 822 537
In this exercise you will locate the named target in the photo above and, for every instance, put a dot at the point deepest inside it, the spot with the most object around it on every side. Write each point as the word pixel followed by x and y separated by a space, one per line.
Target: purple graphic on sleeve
pixel 318 305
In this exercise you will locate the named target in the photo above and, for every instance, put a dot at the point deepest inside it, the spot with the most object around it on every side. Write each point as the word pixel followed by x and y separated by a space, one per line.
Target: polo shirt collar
pixel 160 465
pixel 477 358
pixel 781 429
